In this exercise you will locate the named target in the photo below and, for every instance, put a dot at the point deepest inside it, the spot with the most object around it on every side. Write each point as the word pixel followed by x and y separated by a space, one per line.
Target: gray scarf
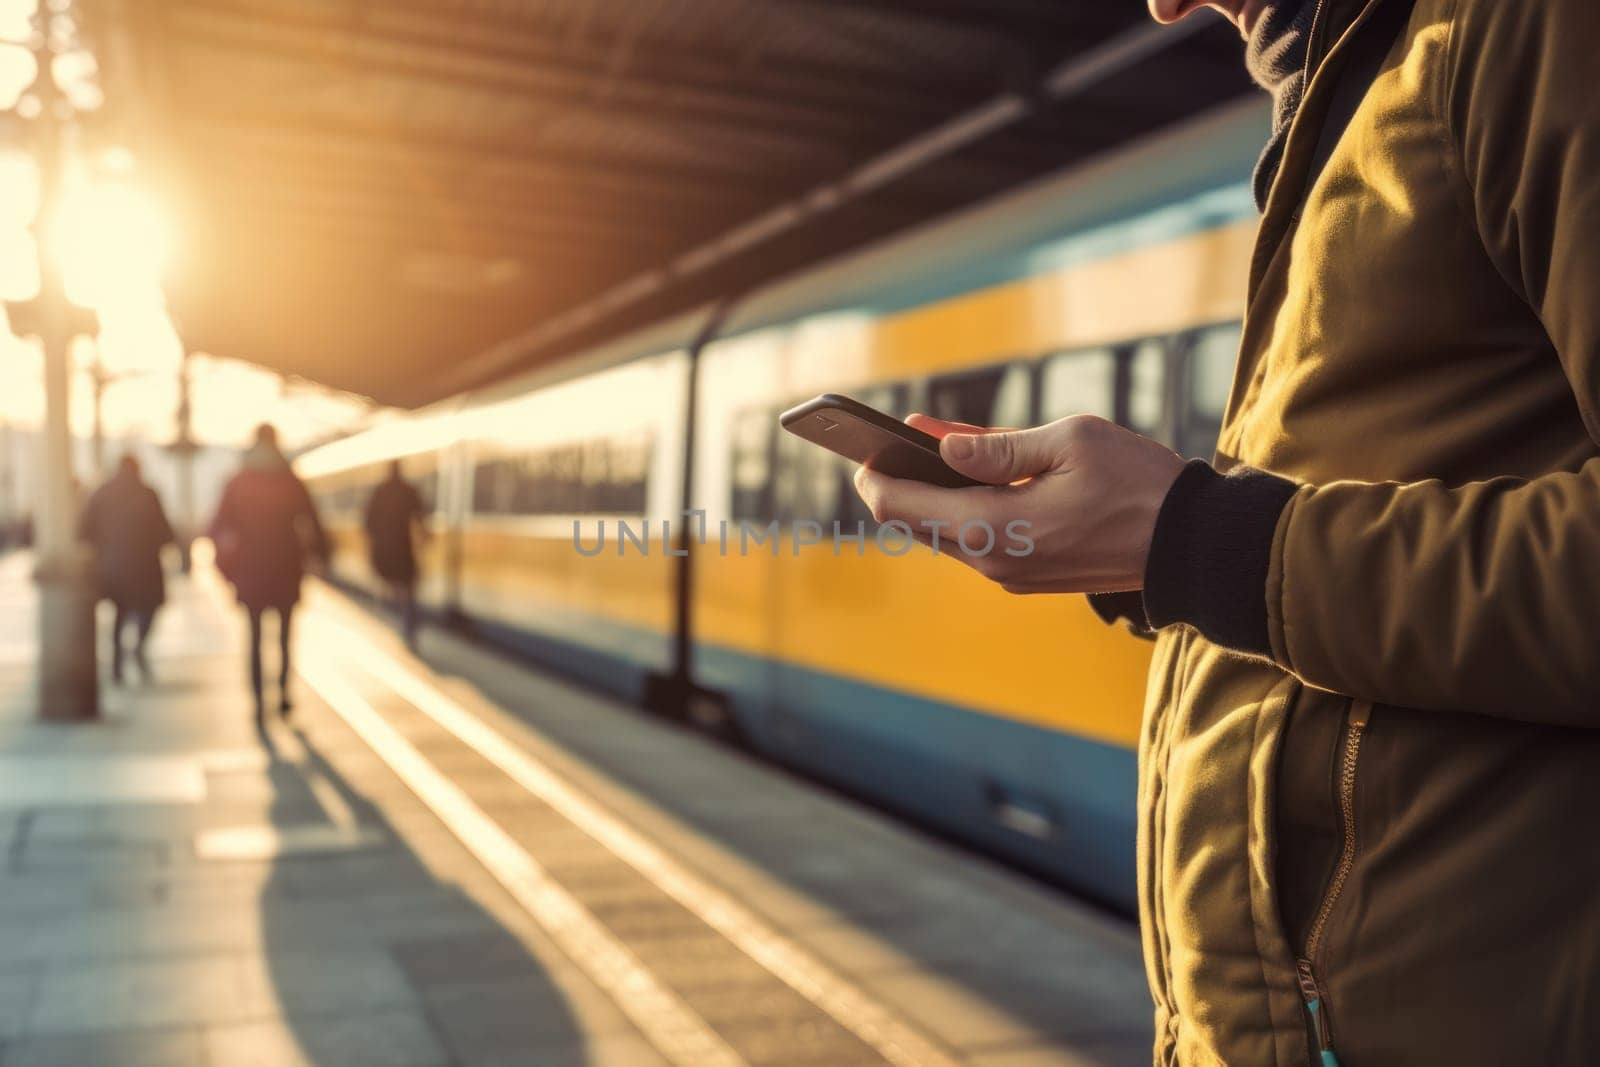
pixel 1275 56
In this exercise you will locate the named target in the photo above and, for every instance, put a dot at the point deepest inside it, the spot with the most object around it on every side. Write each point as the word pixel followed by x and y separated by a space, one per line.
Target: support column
pixel 68 667
pixel 675 693
pixel 98 380
pixel 183 450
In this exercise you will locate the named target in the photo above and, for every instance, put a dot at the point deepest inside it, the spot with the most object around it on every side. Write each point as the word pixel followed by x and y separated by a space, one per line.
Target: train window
pixel 751 467
pixel 428 490
pixel 605 476
pixel 487 496
pixel 1212 353
pixel 1079 383
pixel 891 398
pixel 825 475
pixel 886 398
pixel 787 481
pixel 809 482
pixel 851 508
pixel 1146 396
pixel 993 396
pixel 627 482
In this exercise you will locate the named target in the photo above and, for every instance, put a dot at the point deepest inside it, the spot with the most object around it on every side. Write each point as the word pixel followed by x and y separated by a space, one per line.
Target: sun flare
pixel 112 242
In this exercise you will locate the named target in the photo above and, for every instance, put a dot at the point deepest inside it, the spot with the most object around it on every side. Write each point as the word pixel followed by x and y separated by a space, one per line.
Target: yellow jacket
pixel 1388 812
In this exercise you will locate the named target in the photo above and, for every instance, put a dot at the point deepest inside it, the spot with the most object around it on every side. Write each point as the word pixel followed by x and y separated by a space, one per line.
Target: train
pixel 1010 723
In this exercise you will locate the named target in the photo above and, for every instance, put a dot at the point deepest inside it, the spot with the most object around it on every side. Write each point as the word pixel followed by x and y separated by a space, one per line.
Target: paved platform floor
pixel 448 859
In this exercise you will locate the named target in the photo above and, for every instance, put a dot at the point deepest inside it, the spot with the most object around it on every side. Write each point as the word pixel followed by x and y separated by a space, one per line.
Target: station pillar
pixel 68 667
pixel 183 448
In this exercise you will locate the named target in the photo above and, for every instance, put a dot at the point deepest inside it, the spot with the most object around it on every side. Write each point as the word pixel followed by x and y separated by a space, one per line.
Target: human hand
pixel 1087 489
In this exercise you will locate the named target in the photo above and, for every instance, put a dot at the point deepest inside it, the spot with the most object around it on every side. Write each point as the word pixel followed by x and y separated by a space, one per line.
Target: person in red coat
pixel 265 531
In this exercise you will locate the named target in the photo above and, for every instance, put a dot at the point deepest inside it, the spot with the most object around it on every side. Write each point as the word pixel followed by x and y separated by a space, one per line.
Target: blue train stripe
pixel 1052 801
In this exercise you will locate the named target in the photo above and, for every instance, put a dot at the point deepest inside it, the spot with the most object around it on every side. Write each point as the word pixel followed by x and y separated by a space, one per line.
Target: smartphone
pixel 882 442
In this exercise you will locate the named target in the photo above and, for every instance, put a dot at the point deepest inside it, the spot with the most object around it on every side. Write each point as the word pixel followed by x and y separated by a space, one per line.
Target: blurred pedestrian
pixel 394 523
pixel 125 523
pixel 265 531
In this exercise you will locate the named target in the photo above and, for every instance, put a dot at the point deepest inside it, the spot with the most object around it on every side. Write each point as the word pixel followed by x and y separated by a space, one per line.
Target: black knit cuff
pixel 1127 607
pixel 1210 554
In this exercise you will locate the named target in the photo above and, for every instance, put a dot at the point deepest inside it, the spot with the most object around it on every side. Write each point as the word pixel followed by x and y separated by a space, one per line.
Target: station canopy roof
pixel 403 198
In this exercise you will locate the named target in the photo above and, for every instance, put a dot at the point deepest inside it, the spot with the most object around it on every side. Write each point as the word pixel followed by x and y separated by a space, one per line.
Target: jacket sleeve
pixel 1484 597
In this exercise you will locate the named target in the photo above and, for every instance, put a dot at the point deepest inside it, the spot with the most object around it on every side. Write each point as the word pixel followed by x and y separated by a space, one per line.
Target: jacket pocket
pixel 1312 956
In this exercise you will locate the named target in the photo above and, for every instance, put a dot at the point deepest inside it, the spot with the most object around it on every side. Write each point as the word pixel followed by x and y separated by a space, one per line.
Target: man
pixel 266 530
pixel 394 521
pixel 1370 759
pixel 125 523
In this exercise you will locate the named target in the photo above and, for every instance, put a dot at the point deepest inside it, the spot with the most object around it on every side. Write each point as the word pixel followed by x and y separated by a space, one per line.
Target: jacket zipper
pixel 1310 991
pixel 1305 82
pixel 1311 42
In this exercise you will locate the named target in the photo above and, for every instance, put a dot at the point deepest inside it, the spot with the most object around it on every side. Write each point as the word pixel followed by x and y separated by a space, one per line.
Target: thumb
pixel 999 458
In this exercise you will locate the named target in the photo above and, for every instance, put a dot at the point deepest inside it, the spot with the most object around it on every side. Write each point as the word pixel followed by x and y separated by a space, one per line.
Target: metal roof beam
pixel 834 132
pixel 805 92
pixel 428 220
pixel 361 254
pixel 498 200
pixel 1071 77
pixel 1021 21
pixel 445 178
pixel 343 137
pixel 824 85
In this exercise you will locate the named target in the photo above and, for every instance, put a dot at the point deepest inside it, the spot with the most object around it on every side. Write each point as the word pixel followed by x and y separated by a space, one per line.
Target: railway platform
pixel 445 858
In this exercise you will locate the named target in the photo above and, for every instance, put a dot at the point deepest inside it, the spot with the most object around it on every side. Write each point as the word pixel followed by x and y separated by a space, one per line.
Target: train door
pixel 735 609
pixel 449 521
pixel 821 598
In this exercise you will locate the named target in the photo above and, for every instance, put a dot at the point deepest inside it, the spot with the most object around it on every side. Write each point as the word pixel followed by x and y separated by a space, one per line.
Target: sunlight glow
pixel 19 189
pixel 77 73
pixel 16 19
pixel 21 380
pixel 18 69
pixel 145 407
pixel 19 202
pixel 111 241
pixel 138 338
pixel 231 398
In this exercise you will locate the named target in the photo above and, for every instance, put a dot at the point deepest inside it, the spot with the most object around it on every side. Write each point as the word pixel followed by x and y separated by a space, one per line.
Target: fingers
pixel 940 427
pixel 1002 457
pixel 917 503
pixel 1006 456
pixel 997 458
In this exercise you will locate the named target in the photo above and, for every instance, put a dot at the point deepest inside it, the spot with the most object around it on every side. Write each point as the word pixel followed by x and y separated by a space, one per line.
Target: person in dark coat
pixel 394 521
pixel 125 523
pixel 266 529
